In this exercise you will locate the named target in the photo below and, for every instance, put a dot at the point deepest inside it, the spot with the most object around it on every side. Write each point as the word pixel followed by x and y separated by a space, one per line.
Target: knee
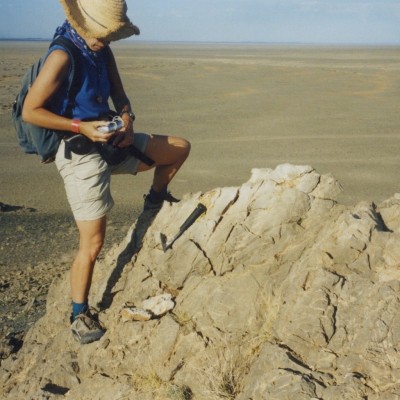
pixel 92 248
pixel 185 147
pixel 178 149
pixel 96 247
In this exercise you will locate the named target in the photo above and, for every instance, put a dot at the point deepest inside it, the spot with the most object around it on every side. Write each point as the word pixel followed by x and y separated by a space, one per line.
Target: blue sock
pixel 78 308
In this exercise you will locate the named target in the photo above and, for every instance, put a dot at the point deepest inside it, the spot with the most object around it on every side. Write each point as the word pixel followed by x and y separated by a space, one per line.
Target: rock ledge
pixel 279 293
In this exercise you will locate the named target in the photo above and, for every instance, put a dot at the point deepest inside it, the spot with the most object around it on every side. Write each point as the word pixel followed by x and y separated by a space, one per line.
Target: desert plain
pixel 335 108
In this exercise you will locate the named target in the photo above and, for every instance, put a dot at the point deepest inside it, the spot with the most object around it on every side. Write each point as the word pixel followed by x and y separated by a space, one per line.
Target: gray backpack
pixel 35 139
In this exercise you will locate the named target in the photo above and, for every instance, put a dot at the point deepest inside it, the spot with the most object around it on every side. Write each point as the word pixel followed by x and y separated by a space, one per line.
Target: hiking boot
pixel 150 204
pixel 86 328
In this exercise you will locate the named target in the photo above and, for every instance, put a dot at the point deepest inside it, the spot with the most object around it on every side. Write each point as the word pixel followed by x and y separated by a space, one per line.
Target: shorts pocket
pixel 92 176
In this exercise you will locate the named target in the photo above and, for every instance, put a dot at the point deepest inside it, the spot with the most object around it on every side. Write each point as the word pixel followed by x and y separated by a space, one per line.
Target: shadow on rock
pixel 143 223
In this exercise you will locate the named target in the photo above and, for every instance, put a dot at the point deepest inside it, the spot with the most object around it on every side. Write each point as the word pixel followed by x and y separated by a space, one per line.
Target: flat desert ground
pixel 241 106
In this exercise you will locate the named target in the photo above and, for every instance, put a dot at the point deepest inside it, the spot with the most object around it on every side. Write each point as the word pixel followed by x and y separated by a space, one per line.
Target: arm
pixel 49 80
pixel 120 100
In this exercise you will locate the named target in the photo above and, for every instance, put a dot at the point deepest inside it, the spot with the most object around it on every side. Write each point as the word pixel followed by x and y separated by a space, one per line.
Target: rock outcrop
pixel 278 293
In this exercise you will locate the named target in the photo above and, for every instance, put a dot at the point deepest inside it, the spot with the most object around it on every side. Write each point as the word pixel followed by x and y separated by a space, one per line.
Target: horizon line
pixel 250 42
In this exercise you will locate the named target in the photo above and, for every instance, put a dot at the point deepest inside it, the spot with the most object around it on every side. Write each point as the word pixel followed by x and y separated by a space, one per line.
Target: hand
pixel 89 129
pixel 124 137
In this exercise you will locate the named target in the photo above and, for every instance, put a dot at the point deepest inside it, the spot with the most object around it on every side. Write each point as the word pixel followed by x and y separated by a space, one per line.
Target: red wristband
pixel 75 126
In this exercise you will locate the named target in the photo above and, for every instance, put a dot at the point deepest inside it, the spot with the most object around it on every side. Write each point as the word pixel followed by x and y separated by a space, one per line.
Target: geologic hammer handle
pixel 200 209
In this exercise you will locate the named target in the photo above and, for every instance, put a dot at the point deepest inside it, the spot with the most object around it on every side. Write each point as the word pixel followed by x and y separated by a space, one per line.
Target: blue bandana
pixel 70 33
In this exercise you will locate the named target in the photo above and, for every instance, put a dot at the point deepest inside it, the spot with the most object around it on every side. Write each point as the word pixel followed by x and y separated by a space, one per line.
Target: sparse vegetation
pixel 151 383
pixel 179 393
pixel 225 371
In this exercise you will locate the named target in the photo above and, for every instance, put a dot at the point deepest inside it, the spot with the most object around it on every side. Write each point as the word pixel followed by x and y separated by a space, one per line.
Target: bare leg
pixel 169 153
pixel 91 240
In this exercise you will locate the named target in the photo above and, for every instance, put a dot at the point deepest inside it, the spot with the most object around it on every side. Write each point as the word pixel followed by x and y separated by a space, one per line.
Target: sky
pixel 268 21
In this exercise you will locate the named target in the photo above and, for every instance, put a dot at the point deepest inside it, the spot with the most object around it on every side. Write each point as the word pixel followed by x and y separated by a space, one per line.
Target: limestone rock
pixel 135 314
pixel 276 292
pixel 159 305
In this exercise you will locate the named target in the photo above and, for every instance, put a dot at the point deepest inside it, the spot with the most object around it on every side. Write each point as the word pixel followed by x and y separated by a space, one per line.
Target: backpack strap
pixel 74 83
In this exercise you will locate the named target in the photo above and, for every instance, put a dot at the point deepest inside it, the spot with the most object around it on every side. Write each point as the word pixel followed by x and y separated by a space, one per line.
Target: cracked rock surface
pixel 279 293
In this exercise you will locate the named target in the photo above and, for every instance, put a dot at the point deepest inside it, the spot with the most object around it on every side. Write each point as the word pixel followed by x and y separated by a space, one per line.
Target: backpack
pixel 35 139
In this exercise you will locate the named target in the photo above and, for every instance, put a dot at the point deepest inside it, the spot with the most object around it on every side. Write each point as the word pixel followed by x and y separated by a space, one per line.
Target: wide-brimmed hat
pixel 100 19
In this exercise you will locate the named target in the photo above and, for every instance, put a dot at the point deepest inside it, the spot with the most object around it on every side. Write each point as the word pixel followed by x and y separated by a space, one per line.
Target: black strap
pixel 135 152
pixel 75 78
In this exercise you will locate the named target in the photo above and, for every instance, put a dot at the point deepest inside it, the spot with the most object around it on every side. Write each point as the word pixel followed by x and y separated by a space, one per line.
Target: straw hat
pixel 100 19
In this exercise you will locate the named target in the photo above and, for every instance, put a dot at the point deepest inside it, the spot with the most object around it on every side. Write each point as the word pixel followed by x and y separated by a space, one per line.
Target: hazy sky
pixel 309 21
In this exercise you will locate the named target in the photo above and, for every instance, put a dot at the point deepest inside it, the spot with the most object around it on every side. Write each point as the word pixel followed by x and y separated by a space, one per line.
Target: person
pixel 91 26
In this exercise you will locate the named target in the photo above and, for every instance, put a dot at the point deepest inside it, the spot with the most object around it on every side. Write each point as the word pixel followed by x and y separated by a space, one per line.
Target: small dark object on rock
pixel 55 389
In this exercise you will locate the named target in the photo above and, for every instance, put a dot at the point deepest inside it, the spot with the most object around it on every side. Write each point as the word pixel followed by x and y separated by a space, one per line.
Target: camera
pixel 114 125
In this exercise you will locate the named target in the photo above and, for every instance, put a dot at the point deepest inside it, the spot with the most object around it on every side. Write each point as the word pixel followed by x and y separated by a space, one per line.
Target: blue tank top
pixel 92 97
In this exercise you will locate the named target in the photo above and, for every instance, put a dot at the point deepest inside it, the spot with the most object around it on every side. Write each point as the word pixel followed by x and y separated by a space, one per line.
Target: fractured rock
pixel 278 292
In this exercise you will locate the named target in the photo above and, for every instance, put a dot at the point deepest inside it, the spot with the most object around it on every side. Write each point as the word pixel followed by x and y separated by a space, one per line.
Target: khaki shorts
pixel 87 179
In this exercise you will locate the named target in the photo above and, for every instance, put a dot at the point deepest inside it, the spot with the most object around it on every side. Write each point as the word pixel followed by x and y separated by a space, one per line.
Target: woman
pixel 91 26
